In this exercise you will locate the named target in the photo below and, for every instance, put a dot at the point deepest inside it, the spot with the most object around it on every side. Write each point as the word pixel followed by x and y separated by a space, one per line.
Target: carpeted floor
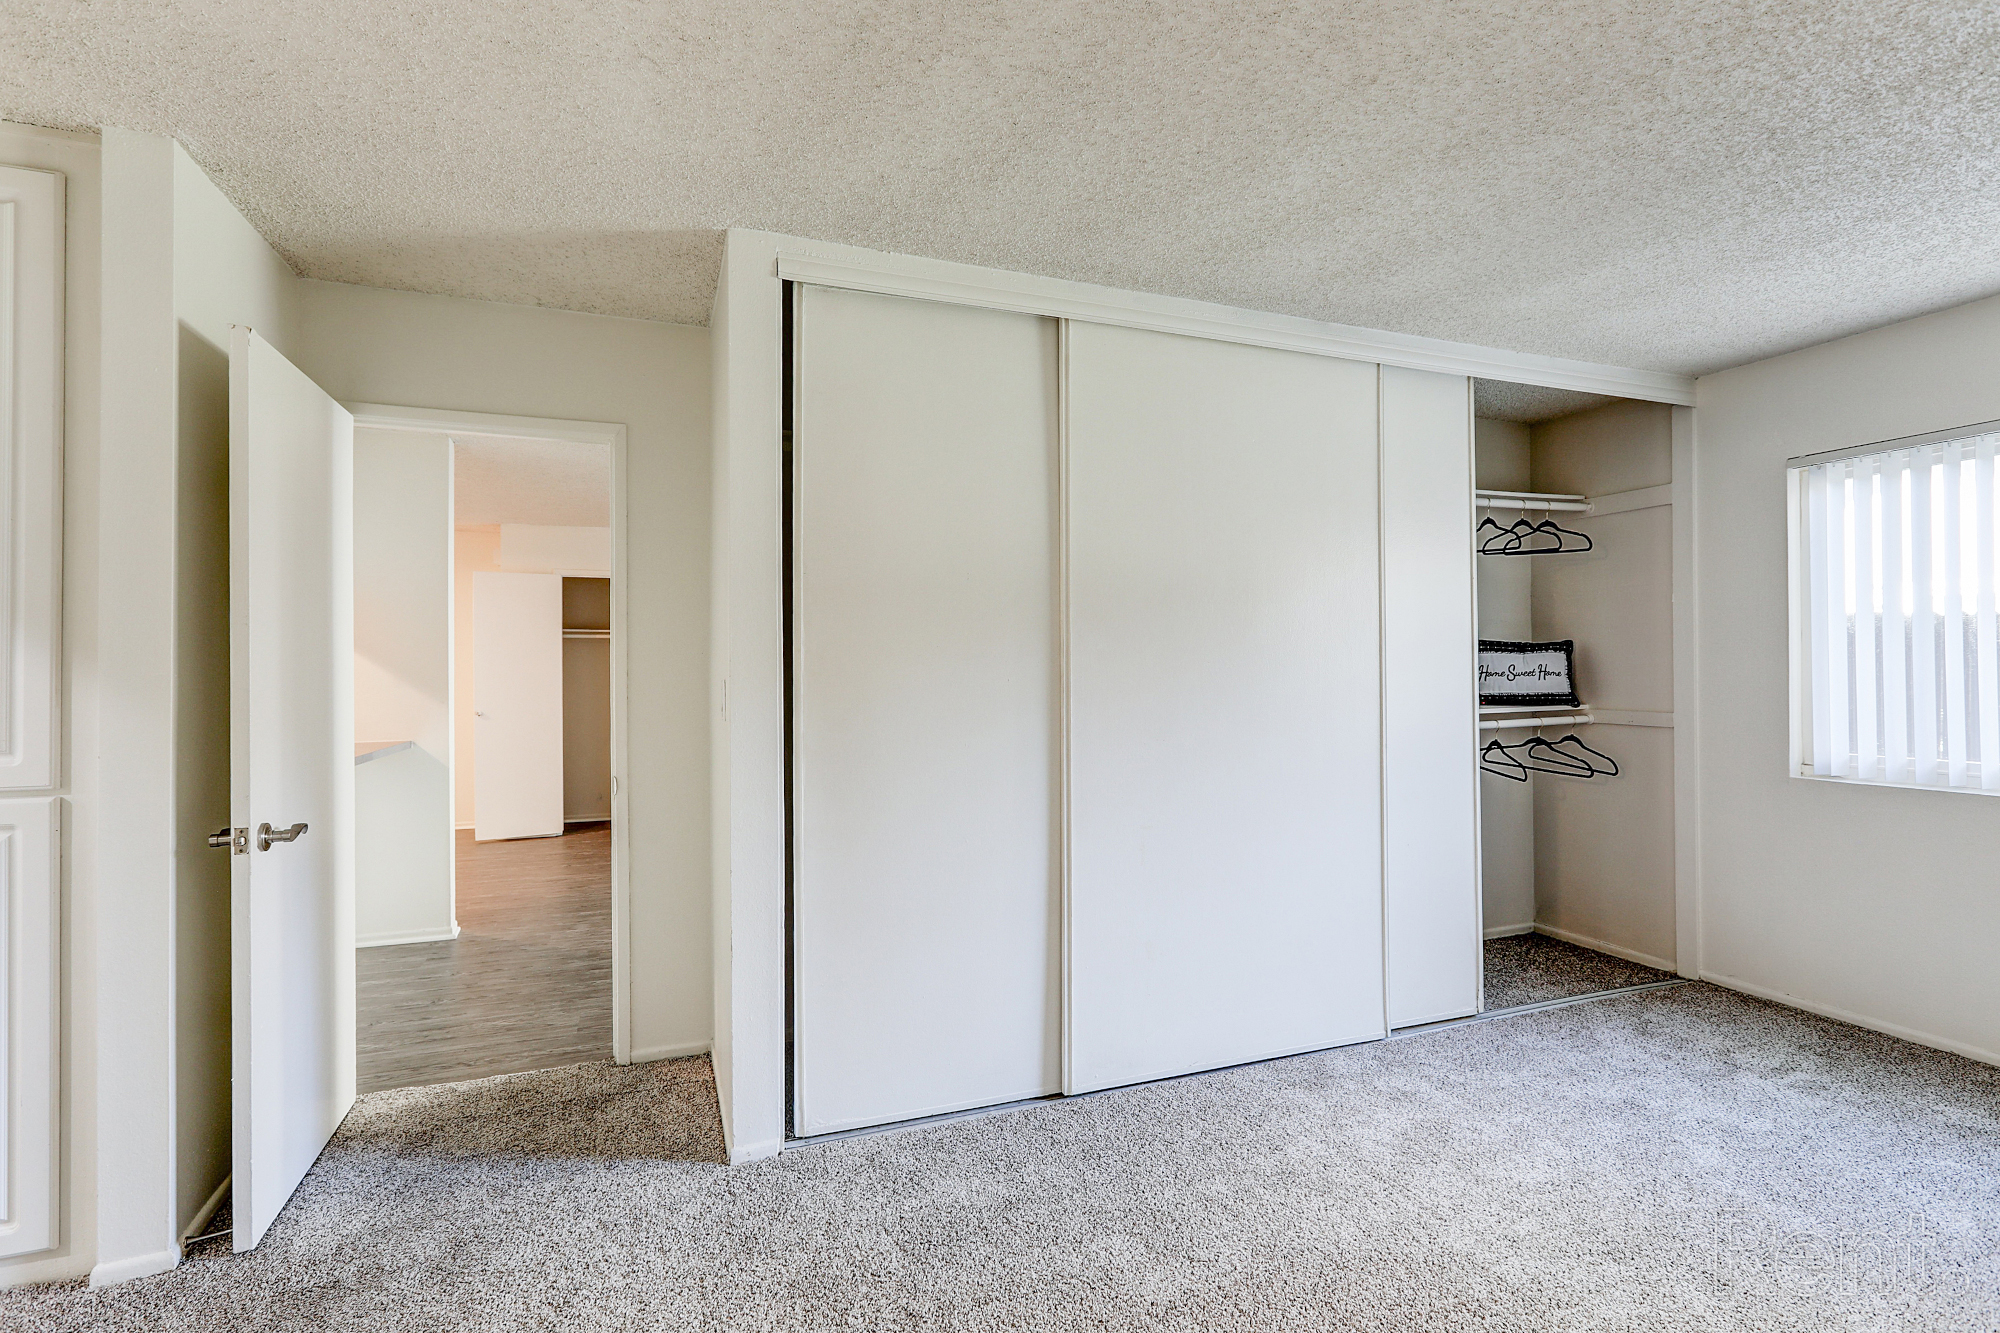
pixel 1527 969
pixel 1685 1159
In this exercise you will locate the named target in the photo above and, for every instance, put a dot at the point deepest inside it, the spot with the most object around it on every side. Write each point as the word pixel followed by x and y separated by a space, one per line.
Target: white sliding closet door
pixel 1430 701
pixel 1225 867
pixel 924 709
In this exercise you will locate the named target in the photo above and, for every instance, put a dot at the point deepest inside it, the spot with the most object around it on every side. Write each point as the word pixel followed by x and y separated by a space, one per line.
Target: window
pixel 1895 655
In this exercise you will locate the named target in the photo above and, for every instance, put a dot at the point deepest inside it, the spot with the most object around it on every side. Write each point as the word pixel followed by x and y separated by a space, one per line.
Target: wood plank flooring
pixel 526 985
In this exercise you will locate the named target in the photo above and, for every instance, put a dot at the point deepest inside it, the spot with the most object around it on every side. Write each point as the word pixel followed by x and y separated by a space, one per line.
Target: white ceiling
pixel 554 482
pixel 1675 185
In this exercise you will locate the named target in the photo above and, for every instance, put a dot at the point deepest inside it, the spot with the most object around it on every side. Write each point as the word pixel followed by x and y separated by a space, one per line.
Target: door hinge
pixel 237 840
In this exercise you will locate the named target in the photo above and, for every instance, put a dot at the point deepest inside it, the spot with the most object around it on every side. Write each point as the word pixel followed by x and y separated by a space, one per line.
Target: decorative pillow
pixel 1527 674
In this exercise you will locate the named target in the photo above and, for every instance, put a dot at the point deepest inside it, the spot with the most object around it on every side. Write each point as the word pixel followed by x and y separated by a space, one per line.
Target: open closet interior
pixel 1574 534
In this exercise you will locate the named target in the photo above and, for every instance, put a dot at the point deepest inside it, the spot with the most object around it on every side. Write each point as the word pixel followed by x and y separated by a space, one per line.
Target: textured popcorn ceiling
pixel 1667 184
pixel 1497 400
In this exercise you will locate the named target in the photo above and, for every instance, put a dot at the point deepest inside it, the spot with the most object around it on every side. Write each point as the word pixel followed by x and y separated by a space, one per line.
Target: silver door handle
pixel 266 835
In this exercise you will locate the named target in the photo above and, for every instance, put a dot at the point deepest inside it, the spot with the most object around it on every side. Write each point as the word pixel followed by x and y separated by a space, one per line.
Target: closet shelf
pixel 1563 504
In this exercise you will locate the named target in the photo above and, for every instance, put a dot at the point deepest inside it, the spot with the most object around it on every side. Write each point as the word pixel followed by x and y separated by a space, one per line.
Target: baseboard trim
pixel 407 937
pixel 1502 932
pixel 139 1265
pixel 647 1054
pixel 1896 1030
pixel 198 1225
pixel 1605 946
pixel 745 1153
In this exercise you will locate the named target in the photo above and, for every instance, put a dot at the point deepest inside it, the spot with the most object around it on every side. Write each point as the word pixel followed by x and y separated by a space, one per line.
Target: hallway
pixel 526 985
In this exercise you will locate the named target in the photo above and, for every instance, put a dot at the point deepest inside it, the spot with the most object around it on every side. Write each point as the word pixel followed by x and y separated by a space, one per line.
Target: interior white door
pixel 924 722
pixel 517 702
pixel 291 648
pixel 1224 723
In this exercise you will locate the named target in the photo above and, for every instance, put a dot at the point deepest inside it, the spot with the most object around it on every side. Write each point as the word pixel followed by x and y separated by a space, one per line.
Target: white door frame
pixel 437 420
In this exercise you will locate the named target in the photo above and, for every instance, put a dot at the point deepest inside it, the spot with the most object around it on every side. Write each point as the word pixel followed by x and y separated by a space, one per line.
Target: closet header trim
pixel 933 280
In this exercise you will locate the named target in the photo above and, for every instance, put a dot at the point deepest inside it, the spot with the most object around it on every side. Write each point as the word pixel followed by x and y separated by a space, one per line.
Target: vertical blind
pixel 1904 672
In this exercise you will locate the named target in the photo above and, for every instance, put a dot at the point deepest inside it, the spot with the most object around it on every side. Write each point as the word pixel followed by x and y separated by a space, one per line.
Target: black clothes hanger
pixel 1516 535
pixel 1495 758
pixel 1538 754
pixel 1541 756
pixel 1521 537
pixel 1609 768
pixel 1562 535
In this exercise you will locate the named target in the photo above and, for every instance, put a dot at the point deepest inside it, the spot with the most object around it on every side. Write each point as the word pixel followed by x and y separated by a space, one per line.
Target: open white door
pixel 291 652
pixel 517 703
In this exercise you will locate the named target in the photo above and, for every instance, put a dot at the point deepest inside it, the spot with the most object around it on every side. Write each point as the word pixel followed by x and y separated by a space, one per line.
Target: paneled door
pixel 31 388
pixel 517 705
pixel 924 709
pixel 291 647
pixel 1224 764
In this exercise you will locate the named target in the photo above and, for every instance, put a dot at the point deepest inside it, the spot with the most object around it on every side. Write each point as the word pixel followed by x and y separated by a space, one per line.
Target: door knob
pixel 266 835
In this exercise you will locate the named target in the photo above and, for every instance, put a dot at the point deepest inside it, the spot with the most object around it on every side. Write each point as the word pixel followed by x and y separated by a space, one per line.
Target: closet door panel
pixel 1224 875
pixel 924 709
pixel 1430 701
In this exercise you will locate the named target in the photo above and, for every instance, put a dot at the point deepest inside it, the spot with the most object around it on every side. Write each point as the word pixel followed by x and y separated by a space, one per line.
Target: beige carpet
pixel 1685 1159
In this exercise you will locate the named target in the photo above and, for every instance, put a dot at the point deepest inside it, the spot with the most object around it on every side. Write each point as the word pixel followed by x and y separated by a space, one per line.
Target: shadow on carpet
pixel 663 1111
pixel 1528 969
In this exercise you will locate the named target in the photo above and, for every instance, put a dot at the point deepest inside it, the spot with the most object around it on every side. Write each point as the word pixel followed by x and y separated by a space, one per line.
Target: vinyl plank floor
pixel 526 985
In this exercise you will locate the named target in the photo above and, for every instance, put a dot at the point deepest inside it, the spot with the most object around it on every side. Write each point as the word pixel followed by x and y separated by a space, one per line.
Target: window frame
pixel 1798 593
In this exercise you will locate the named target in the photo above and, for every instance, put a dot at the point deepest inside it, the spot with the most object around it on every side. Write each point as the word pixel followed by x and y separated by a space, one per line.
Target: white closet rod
pixel 1553 720
pixel 1569 504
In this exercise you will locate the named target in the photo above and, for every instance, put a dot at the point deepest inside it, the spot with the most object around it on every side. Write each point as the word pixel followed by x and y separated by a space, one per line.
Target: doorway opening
pixel 489 862
pixel 1579 546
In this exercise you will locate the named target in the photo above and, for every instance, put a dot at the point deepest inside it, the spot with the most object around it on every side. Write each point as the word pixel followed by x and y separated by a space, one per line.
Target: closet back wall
pixel 1604 851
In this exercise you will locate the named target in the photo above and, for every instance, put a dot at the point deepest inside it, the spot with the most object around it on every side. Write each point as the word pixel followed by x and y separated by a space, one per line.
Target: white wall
pixel 367 345
pixel 1874 904
pixel 77 157
pixel 747 744
pixel 1506 611
pixel 538 548
pixel 475 550
pixel 403 862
